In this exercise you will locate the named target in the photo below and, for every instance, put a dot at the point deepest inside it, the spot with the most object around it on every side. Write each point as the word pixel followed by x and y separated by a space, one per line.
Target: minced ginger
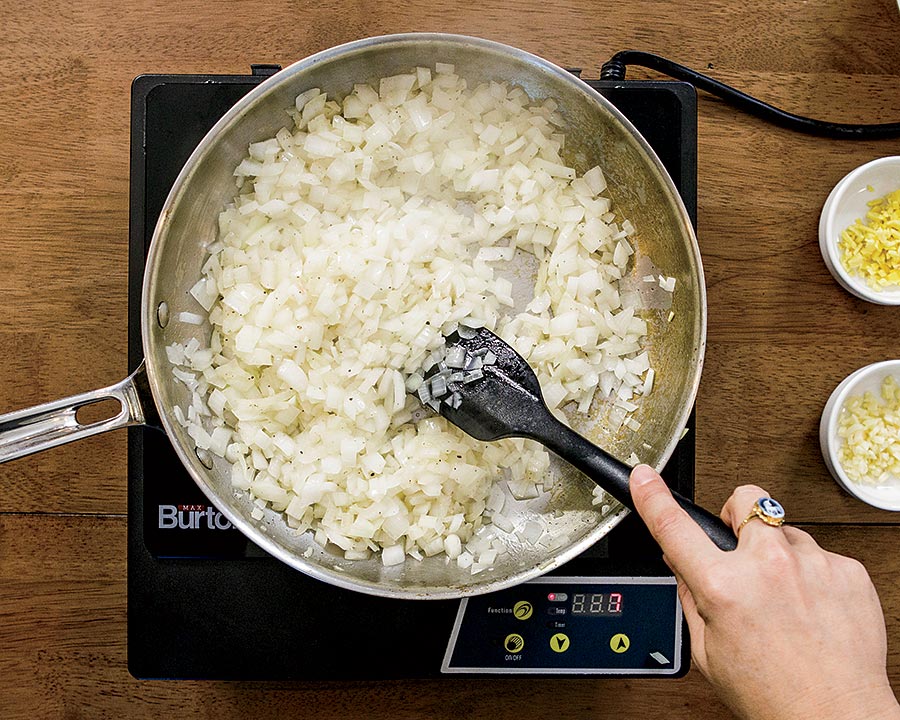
pixel 872 250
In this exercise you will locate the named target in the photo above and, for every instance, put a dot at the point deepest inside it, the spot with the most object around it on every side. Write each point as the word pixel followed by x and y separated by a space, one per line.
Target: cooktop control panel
pixel 571 626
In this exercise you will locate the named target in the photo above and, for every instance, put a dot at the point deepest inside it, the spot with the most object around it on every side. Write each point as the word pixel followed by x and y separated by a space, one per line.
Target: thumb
pixel 684 543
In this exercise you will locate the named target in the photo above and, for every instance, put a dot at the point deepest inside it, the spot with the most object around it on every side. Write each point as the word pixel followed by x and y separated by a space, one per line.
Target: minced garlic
pixel 872 250
pixel 870 428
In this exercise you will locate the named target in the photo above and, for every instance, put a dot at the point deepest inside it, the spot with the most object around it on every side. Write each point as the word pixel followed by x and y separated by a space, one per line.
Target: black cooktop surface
pixel 204 602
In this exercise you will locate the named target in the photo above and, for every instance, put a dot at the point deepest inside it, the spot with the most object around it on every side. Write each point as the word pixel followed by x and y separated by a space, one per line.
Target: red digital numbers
pixel 597 604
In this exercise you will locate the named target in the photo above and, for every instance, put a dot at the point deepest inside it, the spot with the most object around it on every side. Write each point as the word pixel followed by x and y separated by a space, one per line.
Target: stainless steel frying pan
pixel 596 134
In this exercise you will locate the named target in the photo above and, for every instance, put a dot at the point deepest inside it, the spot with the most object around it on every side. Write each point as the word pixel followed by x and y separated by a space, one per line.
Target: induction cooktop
pixel 204 602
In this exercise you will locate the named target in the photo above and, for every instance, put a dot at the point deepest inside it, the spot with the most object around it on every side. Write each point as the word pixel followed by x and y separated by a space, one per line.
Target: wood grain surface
pixel 782 334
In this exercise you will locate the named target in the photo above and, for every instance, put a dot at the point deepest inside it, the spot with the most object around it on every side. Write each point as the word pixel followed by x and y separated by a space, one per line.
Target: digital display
pixel 597 604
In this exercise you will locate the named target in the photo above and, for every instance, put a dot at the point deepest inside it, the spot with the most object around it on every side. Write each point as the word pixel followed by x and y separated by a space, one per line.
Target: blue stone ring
pixel 766 509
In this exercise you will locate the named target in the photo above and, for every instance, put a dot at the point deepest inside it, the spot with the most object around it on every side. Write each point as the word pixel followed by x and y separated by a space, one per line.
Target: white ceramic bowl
pixel 866 379
pixel 847 202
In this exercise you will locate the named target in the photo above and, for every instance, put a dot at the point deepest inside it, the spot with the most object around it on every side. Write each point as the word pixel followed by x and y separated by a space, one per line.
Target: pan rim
pixel 148 314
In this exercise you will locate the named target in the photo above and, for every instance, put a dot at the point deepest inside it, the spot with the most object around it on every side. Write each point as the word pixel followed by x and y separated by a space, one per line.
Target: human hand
pixel 781 628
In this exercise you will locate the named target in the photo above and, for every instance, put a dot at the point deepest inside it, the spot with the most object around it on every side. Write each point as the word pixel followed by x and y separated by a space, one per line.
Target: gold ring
pixel 766 509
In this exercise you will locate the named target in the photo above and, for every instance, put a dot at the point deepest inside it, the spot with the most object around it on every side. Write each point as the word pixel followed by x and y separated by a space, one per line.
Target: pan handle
pixel 55 423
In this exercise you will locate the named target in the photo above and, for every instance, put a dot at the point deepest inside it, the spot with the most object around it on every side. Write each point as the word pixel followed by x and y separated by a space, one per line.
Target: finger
pixel 685 544
pixel 739 504
pixel 738 508
pixel 688 603
pixel 800 539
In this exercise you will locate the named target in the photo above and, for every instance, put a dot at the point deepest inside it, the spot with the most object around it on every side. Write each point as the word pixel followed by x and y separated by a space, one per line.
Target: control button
pixel 523 610
pixel 514 643
pixel 660 658
pixel 619 643
pixel 559 643
pixel 554 610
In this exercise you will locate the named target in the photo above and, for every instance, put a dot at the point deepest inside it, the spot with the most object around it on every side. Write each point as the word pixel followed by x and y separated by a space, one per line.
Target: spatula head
pixel 496 397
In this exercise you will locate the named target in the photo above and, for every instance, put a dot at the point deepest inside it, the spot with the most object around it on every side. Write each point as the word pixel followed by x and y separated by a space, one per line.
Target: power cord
pixel 615 67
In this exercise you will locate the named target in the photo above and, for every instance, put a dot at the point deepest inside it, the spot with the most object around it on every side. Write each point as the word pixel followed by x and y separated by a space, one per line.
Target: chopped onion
pixel 358 236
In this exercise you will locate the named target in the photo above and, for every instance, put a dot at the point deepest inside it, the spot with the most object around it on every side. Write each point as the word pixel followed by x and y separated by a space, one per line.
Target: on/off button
pixel 513 643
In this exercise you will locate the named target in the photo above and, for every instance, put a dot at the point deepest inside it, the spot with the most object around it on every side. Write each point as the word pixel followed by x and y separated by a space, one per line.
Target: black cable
pixel 614 69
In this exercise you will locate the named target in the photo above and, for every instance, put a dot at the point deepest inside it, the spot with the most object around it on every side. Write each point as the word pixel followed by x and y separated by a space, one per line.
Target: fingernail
pixel 642 474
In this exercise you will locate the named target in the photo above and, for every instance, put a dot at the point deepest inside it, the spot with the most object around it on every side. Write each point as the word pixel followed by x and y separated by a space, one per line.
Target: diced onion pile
pixel 447 370
pixel 871 249
pixel 870 429
pixel 361 236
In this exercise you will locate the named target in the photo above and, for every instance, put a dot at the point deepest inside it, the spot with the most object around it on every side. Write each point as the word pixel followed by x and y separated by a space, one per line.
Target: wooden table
pixel 782 334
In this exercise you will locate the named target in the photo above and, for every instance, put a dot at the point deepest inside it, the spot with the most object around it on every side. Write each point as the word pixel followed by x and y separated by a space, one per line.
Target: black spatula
pixel 488 390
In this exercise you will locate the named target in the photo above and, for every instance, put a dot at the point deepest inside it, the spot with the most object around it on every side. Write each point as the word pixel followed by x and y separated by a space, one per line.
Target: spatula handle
pixel 722 535
pixel 613 476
